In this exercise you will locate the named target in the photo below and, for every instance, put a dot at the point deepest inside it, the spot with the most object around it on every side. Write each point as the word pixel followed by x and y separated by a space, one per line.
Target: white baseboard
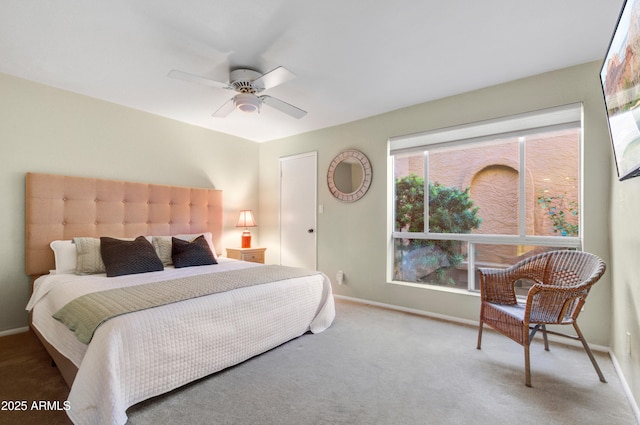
pixel 625 386
pixel 409 310
pixel 14 331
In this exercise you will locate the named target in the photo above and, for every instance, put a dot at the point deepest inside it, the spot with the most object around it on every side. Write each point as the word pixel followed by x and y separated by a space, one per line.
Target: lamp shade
pixel 246 219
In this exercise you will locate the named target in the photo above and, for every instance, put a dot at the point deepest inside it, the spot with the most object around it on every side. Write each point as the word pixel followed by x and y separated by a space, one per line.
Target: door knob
pixel 310 231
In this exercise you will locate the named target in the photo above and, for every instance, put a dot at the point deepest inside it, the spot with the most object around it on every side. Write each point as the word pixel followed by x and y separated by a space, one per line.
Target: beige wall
pixel 625 252
pixel 46 130
pixel 353 237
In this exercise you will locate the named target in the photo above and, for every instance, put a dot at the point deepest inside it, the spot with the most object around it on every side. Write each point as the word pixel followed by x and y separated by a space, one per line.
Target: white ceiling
pixel 352 58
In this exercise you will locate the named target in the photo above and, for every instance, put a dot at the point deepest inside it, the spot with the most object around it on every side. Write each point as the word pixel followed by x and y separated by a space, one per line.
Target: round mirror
pixel 349 175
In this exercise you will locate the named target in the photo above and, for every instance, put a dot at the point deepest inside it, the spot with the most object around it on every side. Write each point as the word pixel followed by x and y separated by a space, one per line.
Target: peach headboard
pixel 63 207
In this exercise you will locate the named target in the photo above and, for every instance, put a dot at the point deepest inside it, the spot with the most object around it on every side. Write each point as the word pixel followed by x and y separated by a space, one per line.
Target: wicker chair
pixel 560 282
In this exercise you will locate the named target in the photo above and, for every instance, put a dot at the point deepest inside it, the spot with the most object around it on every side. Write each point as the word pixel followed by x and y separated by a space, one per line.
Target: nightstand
pixel 255 255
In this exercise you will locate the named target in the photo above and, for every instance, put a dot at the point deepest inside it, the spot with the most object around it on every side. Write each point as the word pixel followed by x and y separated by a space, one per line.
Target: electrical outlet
pixel 340 277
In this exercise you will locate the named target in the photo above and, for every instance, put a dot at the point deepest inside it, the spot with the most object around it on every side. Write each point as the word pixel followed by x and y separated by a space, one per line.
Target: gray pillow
pixel 163 245
pixel 122 257
pixel 195 253
pixel 88 257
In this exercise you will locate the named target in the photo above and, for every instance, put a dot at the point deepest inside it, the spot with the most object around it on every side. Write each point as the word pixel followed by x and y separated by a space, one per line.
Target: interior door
pixel 298 200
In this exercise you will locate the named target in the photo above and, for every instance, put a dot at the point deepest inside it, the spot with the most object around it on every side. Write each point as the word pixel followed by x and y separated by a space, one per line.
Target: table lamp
pixel 246 220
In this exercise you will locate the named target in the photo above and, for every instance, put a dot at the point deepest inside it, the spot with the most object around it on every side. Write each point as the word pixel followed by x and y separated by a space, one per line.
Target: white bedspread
pixel 143 354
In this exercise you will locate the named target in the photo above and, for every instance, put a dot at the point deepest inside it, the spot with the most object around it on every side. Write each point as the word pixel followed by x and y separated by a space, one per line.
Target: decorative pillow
pixel 88 257
pixel 195 253
pixel 207 236
pixel 163 245
pixel 123 257
pixel 65 256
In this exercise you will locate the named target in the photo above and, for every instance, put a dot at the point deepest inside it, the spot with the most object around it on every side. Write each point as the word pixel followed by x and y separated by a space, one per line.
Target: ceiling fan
pixel 248 84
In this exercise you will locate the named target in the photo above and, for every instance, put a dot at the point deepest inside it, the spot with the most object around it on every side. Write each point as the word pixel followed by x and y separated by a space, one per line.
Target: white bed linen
pixel 139 355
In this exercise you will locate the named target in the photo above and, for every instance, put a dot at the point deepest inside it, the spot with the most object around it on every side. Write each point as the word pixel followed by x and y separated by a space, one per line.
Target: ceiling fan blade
pixel 185 76
pixel 274 78
pixel 283 106
pixel 225 109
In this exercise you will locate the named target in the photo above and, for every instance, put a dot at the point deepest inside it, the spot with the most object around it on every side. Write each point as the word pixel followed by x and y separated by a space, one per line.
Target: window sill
pixel 429 287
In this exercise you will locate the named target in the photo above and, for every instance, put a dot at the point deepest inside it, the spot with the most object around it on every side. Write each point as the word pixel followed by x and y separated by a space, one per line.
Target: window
pixel 493 193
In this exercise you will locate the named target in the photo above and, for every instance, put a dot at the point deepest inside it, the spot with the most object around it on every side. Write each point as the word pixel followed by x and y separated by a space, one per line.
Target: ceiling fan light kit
pixel 247 102
pixel 248 83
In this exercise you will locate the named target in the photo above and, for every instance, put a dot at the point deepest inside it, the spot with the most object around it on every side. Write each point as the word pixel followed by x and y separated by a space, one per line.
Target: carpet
pixel 378 366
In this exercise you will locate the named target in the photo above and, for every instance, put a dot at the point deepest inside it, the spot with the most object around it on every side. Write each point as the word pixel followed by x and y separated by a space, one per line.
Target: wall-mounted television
pixel 620 78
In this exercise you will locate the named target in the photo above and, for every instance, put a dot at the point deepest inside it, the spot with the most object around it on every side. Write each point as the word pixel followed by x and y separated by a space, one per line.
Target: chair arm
pixel 555 304
pixel 498 285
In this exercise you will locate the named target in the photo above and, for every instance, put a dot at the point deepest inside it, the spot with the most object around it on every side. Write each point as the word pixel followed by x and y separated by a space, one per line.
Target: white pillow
pixel 65 256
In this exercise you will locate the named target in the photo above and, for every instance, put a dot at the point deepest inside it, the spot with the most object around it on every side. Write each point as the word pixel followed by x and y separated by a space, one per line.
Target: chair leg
pixel 479 335
pixel 544 336
pixel 589 353
pixel 527 368
pixel 535 329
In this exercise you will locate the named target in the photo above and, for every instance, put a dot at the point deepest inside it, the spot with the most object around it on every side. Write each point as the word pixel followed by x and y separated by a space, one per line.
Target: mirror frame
pixel 366 174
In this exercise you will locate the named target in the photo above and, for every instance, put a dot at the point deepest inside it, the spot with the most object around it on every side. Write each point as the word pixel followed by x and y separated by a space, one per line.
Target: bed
pixel 140 353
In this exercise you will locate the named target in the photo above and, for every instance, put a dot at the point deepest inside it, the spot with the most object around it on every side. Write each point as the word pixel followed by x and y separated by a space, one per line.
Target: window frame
pixel 557 118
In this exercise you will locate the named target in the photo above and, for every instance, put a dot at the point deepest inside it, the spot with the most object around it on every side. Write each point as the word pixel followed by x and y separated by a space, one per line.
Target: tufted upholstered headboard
pixel 63 207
